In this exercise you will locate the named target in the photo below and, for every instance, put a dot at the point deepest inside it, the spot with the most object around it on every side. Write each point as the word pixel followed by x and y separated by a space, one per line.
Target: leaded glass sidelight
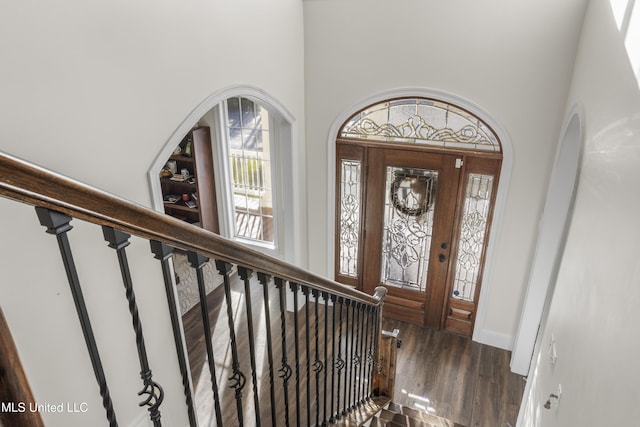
pixel 422 121
pixel 473 231
pixel 408 226
pixel 350 205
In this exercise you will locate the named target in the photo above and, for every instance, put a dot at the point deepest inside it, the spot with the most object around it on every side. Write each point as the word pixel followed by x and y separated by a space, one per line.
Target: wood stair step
pixel 429 418
pixel 395 418
pixel 394 407
pixel 395 415
pixel 362 414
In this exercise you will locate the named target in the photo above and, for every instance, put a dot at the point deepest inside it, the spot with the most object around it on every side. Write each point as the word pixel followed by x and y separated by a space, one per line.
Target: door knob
pixel 548 404
pixel 442 258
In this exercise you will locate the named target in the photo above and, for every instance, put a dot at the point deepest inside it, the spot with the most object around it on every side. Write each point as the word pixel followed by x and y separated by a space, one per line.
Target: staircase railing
pixel 328 370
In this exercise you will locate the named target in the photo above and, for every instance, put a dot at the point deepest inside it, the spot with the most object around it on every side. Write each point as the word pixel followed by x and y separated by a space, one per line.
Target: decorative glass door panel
pixel 351 186
pixel 350 206
pixel 470 242
pixel 475 217
pixel 408 227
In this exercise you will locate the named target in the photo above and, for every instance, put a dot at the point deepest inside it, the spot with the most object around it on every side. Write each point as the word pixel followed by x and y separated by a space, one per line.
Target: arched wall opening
pixel 285 150
pixel 505 172
pixel 552 235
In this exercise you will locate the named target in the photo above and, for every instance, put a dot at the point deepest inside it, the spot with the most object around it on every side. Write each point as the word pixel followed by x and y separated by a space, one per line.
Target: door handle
pixel 442 258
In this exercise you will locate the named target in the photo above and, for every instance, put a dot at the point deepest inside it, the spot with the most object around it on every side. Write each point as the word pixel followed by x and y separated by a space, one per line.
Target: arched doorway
pixel 416 183
pixel 551 240
pixel 210 113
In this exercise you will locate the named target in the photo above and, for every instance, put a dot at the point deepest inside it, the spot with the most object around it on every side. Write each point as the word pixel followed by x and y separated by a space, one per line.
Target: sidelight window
pixel 350 209
pixel 473 230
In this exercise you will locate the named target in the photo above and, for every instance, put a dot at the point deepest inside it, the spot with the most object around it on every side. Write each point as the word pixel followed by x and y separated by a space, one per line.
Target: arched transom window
pixel 421 121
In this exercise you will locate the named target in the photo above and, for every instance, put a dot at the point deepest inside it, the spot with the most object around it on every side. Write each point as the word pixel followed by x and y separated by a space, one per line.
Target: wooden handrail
pixel 37 186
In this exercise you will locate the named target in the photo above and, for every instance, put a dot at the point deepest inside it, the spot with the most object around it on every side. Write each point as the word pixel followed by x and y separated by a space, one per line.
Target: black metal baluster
pixel 245 275
pixel 305 292
pixel 347 377
pixel 339 363
pixel 363 327
pixel 325 295
pixel 377 329
pixel 164 253
pixel 365 355
pixel 334 301
pixel 285 370
pixel 198 262
pixel 317 364
pixel 294 288
pixel 372 350
pixel 353 354
pixel 264 281
pixel 356 356
pixel 237 379
pixel 58 224
pixel 119 240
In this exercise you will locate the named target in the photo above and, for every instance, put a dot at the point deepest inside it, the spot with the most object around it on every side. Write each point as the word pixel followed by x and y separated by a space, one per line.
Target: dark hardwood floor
pixel 455 378
pixel 447 375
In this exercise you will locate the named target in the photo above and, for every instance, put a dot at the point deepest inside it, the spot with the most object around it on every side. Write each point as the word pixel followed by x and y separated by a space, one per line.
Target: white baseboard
pixel 494 339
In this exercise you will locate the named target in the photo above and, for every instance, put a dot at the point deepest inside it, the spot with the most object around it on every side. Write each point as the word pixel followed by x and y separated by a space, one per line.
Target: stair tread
pixel 379 422
pixel 394 407
pixel 395 415
pixel 430 418
pixel 362 414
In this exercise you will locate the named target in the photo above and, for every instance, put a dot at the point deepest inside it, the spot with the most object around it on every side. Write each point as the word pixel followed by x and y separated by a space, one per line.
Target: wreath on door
pixel 423 188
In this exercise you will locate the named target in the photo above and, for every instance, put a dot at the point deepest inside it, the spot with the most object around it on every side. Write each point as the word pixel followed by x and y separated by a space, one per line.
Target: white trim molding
pixel 287 152
pixel 479 334
pixel 552 236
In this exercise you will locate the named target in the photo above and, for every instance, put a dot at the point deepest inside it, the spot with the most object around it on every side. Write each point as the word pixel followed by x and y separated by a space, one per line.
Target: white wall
pixel 512 59
pixel 593 310
pixel 94 90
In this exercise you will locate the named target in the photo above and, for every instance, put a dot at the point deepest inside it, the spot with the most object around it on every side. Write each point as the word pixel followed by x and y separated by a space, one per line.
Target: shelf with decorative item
pixel 187 181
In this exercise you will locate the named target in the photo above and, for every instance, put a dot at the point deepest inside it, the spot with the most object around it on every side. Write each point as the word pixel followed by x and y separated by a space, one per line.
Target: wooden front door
pixel 408 210
pixel 409 214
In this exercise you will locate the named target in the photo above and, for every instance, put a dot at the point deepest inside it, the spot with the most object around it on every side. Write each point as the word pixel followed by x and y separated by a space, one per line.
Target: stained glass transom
pixel 472 235
pixel 408 227
pixel 350 201
pixel 422 121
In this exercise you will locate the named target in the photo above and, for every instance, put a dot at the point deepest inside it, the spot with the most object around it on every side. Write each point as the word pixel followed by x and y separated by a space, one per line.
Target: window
pixel 250 168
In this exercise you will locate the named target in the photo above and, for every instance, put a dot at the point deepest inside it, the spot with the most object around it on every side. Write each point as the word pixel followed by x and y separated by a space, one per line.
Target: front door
pixel 408 211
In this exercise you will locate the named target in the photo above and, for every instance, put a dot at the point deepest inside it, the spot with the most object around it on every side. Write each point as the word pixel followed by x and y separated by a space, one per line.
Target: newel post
pixel 386 344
